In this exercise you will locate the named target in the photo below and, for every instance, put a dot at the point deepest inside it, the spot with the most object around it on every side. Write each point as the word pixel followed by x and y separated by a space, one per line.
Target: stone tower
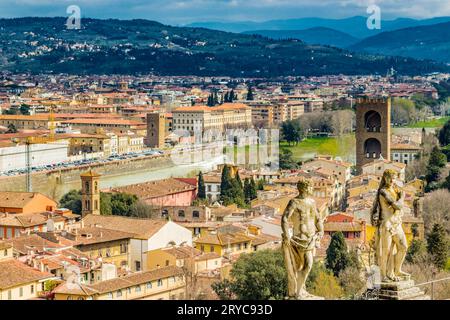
pixel 156 130
pixel 373 130
pixel 90 193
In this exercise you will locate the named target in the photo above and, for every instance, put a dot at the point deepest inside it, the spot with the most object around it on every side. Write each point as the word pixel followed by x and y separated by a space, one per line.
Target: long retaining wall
pixel 55 183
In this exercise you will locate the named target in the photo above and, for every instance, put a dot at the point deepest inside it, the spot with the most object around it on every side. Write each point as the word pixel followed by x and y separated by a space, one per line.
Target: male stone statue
pixel 390 239
pixel 299 247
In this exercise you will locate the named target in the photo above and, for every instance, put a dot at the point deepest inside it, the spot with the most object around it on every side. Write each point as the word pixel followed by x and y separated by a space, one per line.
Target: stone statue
pixel 299 247
pixel 390 239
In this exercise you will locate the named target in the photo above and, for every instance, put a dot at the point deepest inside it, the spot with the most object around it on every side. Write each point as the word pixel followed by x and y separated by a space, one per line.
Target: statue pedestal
pixel 401 290
pixel 308 297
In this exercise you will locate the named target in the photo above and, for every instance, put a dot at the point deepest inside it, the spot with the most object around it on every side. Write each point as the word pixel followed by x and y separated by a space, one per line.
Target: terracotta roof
pixel 155 189
pixel 183 252
pixel 14 273
pixel 342 226
pixel 121 283
pixel 11 199
pixel 32 242
pixel 92 235
pixel 23 220
pixel 223 239
pixel 140 228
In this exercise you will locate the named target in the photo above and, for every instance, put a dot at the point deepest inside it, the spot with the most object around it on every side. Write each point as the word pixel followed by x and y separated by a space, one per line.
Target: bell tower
pixel 373 130
pixel 90 193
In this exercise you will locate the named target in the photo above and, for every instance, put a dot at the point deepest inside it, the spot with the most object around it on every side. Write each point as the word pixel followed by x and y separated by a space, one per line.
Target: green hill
pixel 424 42
pixel 140 47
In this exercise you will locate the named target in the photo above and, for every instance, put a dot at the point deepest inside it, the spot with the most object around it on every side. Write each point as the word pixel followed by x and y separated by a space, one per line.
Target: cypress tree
pixel 250 94
pixel 437 246
pixel 226 187
pixel 253 191
pixel 201 191
pixel 337 258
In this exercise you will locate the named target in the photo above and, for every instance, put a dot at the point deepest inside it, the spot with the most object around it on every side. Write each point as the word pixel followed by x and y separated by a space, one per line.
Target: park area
pixel 430 123
pixel 343 147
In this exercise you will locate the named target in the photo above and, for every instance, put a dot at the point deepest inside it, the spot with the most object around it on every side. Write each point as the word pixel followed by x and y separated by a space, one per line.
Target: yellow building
pixel 184 257
pixel 159 284
pixel 224 244
pixel 111 246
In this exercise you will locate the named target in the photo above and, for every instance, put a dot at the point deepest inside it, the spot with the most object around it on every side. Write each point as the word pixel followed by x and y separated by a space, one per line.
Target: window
pixel 119 293
pixel 123 248
pixel 149 285
pixel 160 283
pixel 32 289
pixel 211 248
pixel 202 248
pixel 181 213
pixel 5 253
pixel 129 290
pixel 138 289
pixel 195 214
pixel 21 292
pixel 110 295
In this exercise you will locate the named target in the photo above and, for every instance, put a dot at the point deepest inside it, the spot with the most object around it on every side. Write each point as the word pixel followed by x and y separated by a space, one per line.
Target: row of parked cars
pixel 77 163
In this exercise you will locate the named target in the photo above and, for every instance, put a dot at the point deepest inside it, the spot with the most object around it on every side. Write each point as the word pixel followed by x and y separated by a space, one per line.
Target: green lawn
pixel 343 147
pixel 432 123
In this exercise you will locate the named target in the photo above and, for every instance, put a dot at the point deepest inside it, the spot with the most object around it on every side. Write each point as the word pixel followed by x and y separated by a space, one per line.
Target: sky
pixel 179 12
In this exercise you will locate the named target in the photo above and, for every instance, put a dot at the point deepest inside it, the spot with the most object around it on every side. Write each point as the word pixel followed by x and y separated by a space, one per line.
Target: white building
pixel 148 235
pixel 14 157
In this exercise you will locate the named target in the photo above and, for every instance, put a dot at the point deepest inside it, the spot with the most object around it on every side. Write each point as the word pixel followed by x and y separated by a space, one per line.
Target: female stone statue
pixel 390 239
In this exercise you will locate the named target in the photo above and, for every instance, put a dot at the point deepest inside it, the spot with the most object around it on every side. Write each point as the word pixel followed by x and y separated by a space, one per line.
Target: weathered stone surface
pixel 402 290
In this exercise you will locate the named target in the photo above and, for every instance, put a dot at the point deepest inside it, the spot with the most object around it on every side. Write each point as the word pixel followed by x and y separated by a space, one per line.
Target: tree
pixel 291 131
pixel 72 201
pixel 286 161
pixel 122 203
pixel 325 284
pixel 201 189
pixel 238 191
pixel 24 109
pixel 250 93
pixel 259 276
pixel 250 192
pixel 223 289
pixel 11 128
pixel 403 111
pixel 437 246
pixel 416 251
pixel 436 209
pixel 226 186
pixel 437 161
pixel 415 230
pixel 140 209
pixel 444 134
pixel 351 281
pixel 337 257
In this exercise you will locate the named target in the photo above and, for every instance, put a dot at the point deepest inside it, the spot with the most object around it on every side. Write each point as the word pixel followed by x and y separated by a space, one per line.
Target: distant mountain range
pixel 140 47
pixel 318 35
pixel 419 39
pixel 354 26
pixel 423 42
